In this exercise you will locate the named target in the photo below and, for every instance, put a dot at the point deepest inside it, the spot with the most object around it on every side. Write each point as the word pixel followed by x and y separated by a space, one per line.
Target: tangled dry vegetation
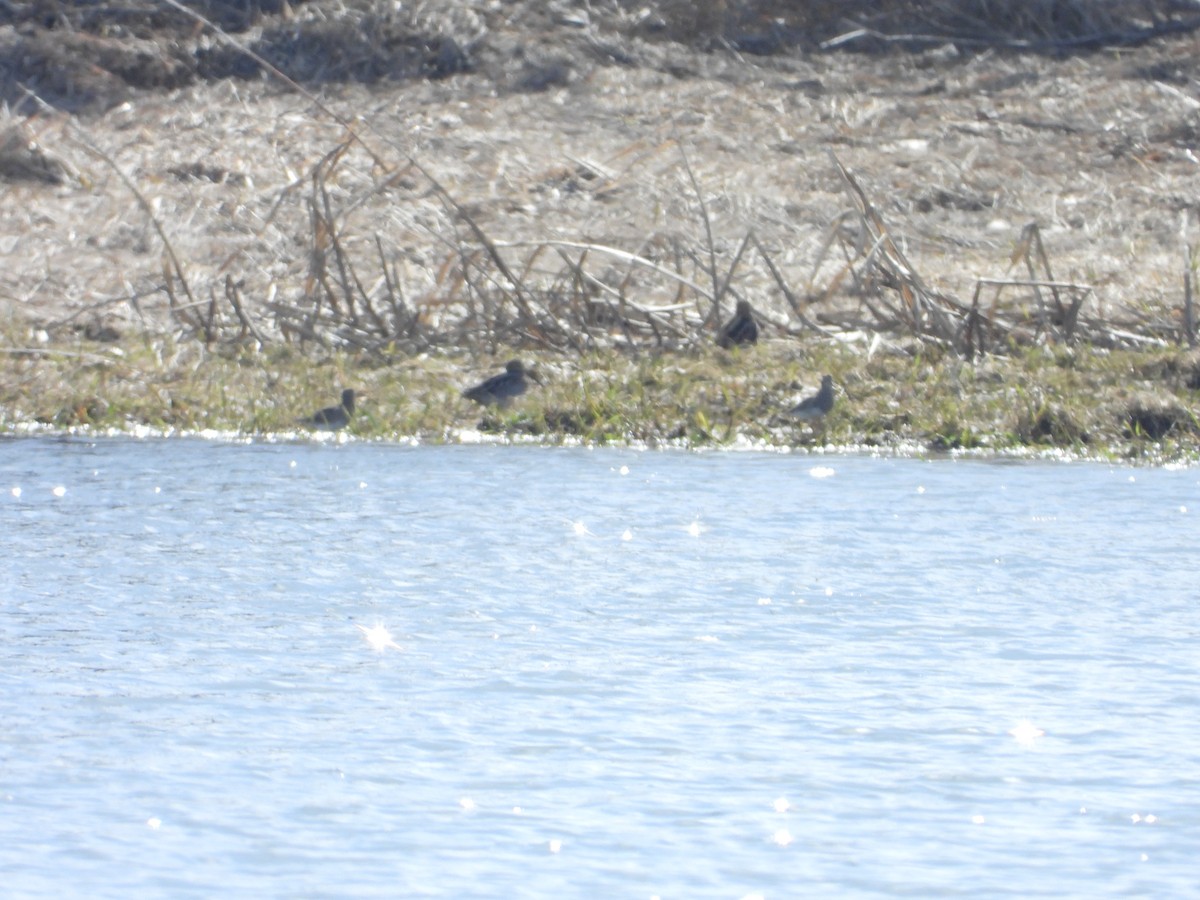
pixel 972 178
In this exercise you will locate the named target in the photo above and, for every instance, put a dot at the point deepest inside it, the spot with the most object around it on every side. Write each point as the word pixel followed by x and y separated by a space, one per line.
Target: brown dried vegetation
pixel 570 177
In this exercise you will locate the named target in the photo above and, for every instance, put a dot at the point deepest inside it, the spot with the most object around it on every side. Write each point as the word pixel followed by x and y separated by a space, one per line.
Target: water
pixel 612 674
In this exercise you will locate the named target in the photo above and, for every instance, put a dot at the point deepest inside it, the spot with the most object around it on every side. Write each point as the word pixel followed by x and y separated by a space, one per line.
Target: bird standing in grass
pixel 332 418
pixel 741 329
pixel 499 390
pixel 818 405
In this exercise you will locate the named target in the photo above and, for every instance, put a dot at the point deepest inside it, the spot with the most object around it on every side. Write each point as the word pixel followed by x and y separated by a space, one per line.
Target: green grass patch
pixel 1138 406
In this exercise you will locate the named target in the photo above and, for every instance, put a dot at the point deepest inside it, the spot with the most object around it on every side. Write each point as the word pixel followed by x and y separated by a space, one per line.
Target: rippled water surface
pixel 365 670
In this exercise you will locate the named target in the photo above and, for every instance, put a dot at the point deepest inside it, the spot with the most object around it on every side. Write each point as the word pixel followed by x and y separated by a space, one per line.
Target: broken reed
pixel 579 296
pixel 668 293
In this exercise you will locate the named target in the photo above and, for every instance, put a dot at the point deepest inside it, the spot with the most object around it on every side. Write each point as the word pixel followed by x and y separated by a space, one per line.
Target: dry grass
pixel 431 227
pixel 646 246
pixel 619 194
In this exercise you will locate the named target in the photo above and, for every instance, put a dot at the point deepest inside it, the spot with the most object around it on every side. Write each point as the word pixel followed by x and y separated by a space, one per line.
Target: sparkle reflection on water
pixel 364 670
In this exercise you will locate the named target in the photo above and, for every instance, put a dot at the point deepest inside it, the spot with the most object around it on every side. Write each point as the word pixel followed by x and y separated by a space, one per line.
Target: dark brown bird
pixel 499 390
pixel 818 405
pixel 741 329
pixel 332 418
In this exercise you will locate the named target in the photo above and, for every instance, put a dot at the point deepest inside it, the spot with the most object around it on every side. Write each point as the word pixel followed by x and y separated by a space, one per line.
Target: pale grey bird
pixel 499 390
pixel 818 405
pixel 332 418
pixel 741 329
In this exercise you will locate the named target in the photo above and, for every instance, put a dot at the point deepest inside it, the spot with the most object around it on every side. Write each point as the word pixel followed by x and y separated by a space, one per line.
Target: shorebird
pixel 331 418
pixel 741 329
pixel 818 405
pixel 499 390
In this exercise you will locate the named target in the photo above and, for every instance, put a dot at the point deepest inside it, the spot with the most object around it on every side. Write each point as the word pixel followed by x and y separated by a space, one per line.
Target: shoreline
pixel 989 252
pixel 1031 455
pixel 903 400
